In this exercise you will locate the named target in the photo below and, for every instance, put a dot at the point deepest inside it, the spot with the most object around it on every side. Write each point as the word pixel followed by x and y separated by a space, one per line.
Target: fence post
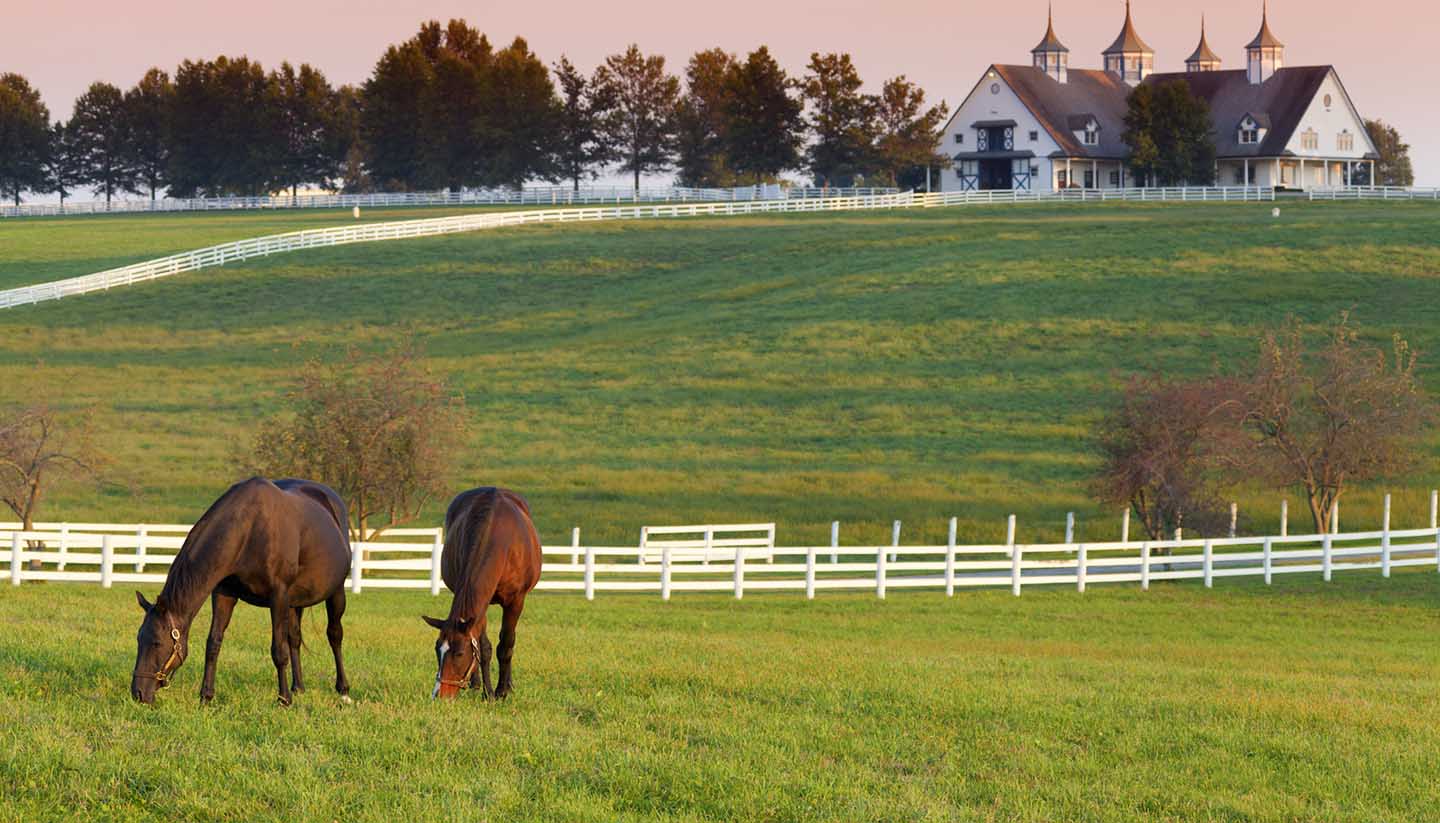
pixel 15 559
pixel 107 561
pixel 950 561
pixel 575 545
pixel 1145 566
pixel 709 544
pixel 834 541
pixel 1434 508
pixel 880 572
pixel 810 573
pixel 437 545
pixel 894 539
pixel 1015 553
pixel 1326 558
pixel 665 573
pixel 1385 541
pixel 1125 526
pixel 589 572
pixel 1069 528
pixel 1209 566
pixel 1267 561
pixel 357 558
pixel 1284 516
pixel 64 544
pixel 739 572
pixel 1335 516
pixel 1234 515
pixel 141 534
pixel 645 541
pixel 1080 569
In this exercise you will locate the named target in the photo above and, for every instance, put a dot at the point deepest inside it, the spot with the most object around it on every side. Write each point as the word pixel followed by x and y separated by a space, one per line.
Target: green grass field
pixel 1306 701
pixel 860 367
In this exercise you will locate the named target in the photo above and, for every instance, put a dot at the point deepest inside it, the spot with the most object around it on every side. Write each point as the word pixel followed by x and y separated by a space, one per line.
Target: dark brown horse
pixel 492 555
pixel 282 546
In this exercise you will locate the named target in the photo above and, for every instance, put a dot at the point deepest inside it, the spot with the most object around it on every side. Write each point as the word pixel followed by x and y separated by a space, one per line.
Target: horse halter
pixel 464 681
pixel 162 677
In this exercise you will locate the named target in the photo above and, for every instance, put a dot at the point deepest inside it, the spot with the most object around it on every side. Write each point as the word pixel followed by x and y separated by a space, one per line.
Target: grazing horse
pixel 283 546
pixel 492 555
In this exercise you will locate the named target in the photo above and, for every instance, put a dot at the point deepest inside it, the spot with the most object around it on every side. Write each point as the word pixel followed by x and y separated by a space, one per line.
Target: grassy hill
pixel 861 367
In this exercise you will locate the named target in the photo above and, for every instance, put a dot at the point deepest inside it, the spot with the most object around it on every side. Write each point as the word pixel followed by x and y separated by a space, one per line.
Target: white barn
pixel 1046 126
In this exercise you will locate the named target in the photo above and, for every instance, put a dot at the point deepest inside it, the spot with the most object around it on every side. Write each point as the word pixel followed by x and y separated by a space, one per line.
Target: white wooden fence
pixel 410 559
pixel 1374 193
pixel 405 229
pixel 530 195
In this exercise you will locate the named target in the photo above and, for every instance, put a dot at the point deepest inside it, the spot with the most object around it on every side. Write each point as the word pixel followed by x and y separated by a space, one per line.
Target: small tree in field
pixel 1161 454
pixel 1346 412
pixel 382 431
pixel 39 450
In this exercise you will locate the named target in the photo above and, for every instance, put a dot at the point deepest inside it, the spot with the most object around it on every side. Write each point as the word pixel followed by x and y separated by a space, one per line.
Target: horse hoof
pixel 284 702
pixel 345 698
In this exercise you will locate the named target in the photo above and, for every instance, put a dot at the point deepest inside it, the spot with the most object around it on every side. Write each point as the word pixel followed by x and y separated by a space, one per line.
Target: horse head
pixel 457 655
pixel 160 649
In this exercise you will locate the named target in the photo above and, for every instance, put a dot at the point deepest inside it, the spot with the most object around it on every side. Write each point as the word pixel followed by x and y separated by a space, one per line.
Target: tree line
pixel 447 109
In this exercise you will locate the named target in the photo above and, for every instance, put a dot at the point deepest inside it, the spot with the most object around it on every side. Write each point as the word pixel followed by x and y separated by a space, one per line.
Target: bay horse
pixel 283 546
pixel 491 555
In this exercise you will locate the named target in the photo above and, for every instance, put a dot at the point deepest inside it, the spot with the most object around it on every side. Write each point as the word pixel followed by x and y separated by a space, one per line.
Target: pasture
pixel 803 368
pixel 1305 701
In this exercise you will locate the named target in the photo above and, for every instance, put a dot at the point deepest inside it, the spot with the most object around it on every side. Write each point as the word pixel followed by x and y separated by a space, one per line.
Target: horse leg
pixel 221 607
pixel 506 649
pixel 334 610
pixel 280 617
pixel 484 673
pixel 297 682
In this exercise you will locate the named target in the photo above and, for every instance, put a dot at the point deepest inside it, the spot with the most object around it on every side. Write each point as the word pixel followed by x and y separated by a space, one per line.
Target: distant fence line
pixel 1374 193
pixel 404 229
pixel 530 195
pixel 410 559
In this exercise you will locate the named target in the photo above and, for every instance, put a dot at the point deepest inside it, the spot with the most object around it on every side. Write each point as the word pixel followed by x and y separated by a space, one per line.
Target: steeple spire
pixel 1051 56
pixel 1264 55
pixel 1203 58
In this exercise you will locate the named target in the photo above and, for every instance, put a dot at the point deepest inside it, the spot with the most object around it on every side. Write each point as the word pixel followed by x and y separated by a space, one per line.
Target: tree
pixel 393 119
pixel 581 149
pixel 39 450
pixel 908 133
pixel 642 123
pixel 146 114
pixel 24 137
pixel 1162 453
pixel 763 128
pixel 1321 419
pixel 523 119
pixel 101 141
pixel 225 136
pixel 1169 134
pixel 842 120
pixel 1393 168
pixel 310 122
pixel 701 156
pixel 382 431
pixel 64 171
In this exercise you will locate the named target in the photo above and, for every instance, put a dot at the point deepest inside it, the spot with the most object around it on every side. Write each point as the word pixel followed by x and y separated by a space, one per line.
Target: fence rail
pixel 410 559
pixel 530 195
pixel 1373 193
pixel 405 229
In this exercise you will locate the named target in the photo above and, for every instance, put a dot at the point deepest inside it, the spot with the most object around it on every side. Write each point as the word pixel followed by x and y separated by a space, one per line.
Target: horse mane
pixel 473 536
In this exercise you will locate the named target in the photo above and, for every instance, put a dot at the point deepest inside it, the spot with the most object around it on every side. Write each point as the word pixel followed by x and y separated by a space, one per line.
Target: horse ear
pixel 435 622
pixel 145 605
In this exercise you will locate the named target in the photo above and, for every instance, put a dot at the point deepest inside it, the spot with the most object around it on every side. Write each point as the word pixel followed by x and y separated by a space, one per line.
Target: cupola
pixel 1129 58
pixel 1265 55
pixel 1203 59
pixel 1051 56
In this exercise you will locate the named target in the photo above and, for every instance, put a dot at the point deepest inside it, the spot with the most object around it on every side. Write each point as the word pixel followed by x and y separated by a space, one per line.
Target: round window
pixel 994 88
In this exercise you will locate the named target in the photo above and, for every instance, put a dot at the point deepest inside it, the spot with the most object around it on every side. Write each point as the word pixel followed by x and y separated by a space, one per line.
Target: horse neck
pixel 196 571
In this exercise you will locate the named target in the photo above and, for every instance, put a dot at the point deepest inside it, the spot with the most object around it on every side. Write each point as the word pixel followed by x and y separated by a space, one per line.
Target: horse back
pixel 488 532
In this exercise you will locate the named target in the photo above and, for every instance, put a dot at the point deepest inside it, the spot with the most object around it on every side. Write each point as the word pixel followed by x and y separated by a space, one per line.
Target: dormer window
pixel 1092 133
pixel 1249 131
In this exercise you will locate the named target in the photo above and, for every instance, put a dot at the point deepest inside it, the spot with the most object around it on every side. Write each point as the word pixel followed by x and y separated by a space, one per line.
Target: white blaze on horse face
pixel 444 650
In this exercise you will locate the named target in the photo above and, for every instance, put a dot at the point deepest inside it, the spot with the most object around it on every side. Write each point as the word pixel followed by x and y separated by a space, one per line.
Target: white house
pixel 1047 125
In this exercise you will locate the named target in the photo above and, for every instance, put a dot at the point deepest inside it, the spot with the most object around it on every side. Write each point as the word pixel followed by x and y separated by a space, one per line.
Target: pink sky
pixel 1384 49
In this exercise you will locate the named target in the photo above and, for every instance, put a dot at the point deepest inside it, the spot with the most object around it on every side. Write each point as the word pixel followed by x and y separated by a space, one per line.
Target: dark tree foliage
pixel 307 116
pixel 908 134
pixel 581 149
pixel 456 139
pixel 842 121
pixel 24 138
pixel 393 123
pixel 1393 168
pixel 225 134
pixel 701 154
pixel 522 119
pixel 642 123
pixel 1169 134
pixel 101 141
pixel 146 115
pixel 763 127
pixel 64 167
